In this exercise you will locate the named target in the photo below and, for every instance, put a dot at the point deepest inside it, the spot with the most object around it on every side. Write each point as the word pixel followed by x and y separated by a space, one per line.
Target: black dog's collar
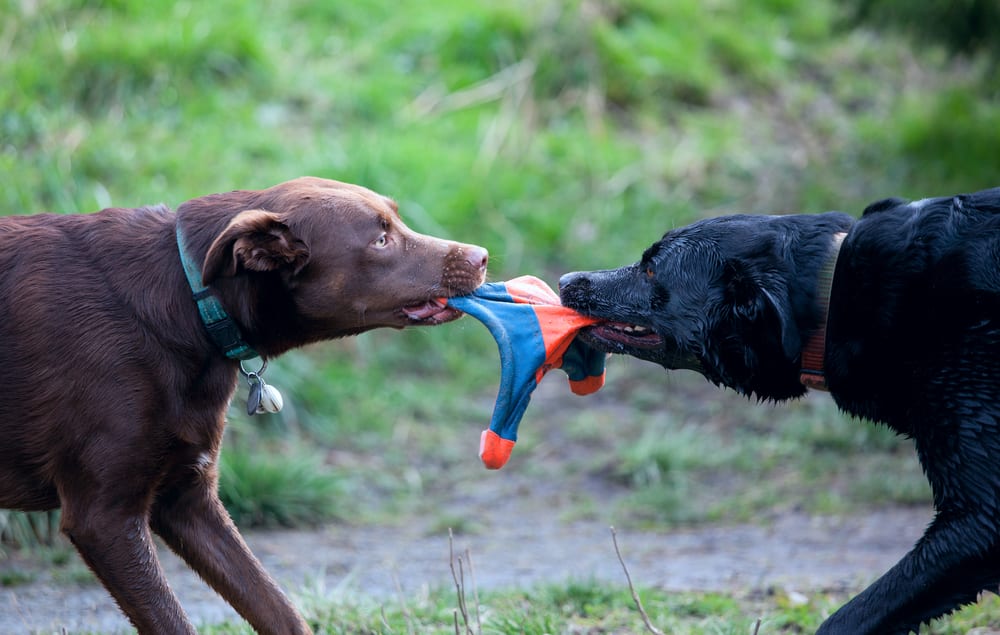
pixel 812 374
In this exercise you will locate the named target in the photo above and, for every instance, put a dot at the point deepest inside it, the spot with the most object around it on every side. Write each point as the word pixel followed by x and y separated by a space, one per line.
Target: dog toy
pixel 534 334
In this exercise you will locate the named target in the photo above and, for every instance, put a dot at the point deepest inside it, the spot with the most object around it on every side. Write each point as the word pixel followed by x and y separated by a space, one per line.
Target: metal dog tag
pixel 253 399
pixel 270 399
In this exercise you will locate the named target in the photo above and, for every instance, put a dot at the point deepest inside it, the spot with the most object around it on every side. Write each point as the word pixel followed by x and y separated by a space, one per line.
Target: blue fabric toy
pixel 534 334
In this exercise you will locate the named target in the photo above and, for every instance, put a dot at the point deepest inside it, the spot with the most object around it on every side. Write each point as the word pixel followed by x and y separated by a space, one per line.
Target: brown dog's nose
pixel 478 257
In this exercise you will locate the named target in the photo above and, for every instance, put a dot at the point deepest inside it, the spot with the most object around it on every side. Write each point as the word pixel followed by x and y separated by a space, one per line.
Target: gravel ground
pixel 523 543
pixel 520 535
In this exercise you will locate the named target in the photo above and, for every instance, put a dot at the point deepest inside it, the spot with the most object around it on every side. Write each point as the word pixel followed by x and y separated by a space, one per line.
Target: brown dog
pixel 114 391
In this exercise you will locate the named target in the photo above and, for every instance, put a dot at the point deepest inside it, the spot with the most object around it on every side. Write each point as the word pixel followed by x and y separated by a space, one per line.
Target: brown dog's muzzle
pixel 464 268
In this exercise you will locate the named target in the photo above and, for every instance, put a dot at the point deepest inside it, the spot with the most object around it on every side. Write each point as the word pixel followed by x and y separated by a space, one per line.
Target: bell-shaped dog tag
pixel 270 399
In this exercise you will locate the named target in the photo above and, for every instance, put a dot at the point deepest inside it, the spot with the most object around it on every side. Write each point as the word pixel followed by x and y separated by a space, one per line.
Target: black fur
pixel 913 341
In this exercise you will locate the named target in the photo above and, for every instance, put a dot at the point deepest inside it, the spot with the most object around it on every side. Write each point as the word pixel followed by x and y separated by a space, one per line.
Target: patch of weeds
pixel 59 555
pixel 664 505
pixel 981 617
pixel 75 573
pixel 944 136
pixel 794 609
pixel 592 608
pixel 906 486
pixel 708 605
pixel 458 524
pixel 663 453
pixel 584 598
pixel 357 393
pixel 268 487
pixel 16 577
pixel 161 53
pixel 727 459
pixel 29 530
pixel 963 28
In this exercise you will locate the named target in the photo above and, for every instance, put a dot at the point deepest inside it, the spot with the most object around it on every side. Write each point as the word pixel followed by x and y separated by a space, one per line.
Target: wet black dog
pixel 912 340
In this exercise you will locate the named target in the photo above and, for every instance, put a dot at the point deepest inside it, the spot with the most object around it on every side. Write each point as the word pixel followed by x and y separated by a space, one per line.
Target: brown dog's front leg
pixel 191 519
pixel 118 547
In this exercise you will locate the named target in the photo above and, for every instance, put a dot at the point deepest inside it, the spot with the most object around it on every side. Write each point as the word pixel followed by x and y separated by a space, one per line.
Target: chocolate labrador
pixel 897 315
pixel 117 367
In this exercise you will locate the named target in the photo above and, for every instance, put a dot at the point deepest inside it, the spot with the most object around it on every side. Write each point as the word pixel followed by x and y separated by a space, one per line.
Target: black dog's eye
pixel 658 298
pixel 649 272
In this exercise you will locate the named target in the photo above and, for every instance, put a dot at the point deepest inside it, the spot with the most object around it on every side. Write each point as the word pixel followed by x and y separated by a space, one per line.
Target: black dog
pixel 912 340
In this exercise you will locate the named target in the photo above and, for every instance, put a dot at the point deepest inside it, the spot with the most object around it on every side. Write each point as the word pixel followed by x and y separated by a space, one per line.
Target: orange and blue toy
pixel 534 334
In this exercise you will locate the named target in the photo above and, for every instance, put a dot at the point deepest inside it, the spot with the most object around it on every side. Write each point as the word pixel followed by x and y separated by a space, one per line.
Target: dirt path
pixel 521 545
pixel 519 534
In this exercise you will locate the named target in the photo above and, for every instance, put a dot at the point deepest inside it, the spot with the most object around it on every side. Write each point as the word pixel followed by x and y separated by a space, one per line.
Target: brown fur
pixel 114 397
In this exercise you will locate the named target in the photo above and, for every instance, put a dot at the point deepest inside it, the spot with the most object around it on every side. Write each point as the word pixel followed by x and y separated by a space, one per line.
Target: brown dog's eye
pixel 381 241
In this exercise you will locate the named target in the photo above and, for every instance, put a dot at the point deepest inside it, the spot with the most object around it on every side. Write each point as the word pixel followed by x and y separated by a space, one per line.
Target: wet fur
pixel 913 342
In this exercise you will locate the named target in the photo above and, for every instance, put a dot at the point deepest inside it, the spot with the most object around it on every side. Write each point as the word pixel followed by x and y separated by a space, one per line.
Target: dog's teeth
pixel 631 329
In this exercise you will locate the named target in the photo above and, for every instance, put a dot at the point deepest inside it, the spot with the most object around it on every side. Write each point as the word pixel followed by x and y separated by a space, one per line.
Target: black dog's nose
pixel 572 278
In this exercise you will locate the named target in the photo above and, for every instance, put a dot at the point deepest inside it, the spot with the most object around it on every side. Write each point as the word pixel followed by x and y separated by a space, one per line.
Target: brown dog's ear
pixel 256 240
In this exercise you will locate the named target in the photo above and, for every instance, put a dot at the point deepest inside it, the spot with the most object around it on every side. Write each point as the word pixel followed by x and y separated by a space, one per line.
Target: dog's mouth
pixel 431 312
pixel 614 335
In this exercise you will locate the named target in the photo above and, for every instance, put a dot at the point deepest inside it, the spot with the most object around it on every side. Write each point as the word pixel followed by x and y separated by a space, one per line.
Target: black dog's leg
pixel 947 569
pixel 959 554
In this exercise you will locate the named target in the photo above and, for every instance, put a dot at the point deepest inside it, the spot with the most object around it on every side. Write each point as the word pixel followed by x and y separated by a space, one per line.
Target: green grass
pixel 28 529
pixel 275 487
pixel 560 135
pixel 593 608
pixel 15 577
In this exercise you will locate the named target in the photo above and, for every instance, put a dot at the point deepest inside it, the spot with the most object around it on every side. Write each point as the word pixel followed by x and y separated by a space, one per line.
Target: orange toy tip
pixel 588 385
pixel 493 450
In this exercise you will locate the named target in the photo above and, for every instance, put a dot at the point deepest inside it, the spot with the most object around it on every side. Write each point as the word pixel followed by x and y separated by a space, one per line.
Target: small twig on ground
pixel 459 578
pixel 631 588
pixel 407 617
pixel 385 620
pixel 756 628
pixel 475 591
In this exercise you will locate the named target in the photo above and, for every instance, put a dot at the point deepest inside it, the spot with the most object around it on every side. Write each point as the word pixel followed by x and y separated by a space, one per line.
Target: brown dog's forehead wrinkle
pixel 309 191
pixel 393 205
pixel 350 212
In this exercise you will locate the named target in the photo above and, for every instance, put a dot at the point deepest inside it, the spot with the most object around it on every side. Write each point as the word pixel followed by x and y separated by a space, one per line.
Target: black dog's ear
pixel 884 205
pixel 755 296
pixel 256 240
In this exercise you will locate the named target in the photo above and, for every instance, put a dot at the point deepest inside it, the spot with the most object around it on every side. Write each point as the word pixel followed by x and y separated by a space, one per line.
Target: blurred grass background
pixel 561 135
